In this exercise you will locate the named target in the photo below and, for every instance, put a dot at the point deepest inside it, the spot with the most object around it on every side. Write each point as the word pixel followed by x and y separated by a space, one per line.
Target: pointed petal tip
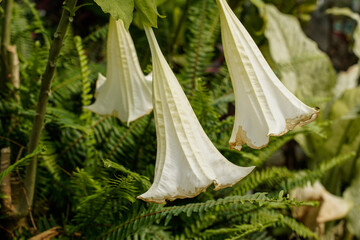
pixel 100 82
pixel 151 200
pixel 242 138
pixel 89 107
pixel 152 197
pixel 161 199
pixel 246 171
pixel 300 121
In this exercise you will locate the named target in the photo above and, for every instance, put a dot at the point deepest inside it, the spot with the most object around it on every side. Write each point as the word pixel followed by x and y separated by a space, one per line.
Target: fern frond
pixel 267 218
pixel 158 212
pixel 203 29
pixel 37 23
pixel 258 158
pixel 23 161
pixel 49 157
pixel 144 180
pixel 102 203
pixel 78 140
pixel 301 178
pixel 270 176
pixel 98 34
pixel 239 231
pixel 21 32
pixel 120 143
pixel 202 104
pixel 86 97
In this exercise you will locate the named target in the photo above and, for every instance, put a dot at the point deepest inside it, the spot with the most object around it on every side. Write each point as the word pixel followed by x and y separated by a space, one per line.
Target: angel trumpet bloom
pixel 186 162
pixel 125 92
pixel 263 105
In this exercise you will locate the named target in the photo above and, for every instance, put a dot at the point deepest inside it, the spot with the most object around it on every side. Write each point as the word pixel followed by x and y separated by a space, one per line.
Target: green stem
pixel 30 174
pixel 5 42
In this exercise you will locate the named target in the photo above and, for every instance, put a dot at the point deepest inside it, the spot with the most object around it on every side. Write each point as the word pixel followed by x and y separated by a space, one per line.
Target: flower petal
pixel 125 93
pixel 99 83
pixel 263 105
pixel 186 162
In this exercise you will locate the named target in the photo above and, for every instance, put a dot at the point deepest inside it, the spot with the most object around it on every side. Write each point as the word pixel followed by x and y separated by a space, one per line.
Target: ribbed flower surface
pixel 186 162
pixel 263 105
pixel 125 92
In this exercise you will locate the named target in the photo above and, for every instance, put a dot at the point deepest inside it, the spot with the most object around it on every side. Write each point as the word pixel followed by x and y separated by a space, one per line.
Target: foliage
pixel 119 10
pixel 19 163
pixel 293 52
pixel 92 168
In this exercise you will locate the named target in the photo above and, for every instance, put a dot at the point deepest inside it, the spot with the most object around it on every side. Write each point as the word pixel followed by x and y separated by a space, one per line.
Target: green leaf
pixel 304 68
pixel 118 9
pixel 147 12
pixel 23 161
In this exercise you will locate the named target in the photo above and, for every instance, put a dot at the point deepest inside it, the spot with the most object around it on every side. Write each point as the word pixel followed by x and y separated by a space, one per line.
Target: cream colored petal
pixel 149 78
pixel 99 83
pixel 186 162
pixel 307 193
pixel 125 93
pixel 332 208
pixel 263 105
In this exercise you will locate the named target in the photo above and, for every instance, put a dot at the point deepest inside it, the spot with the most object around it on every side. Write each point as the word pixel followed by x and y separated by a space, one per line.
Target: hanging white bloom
pixel 125 92
pixel 263 105
pixel 186 162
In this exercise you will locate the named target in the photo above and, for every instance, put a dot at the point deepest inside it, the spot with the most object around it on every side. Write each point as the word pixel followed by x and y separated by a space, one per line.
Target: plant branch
pixel 5 185
pixel 30 174
pixel 5 41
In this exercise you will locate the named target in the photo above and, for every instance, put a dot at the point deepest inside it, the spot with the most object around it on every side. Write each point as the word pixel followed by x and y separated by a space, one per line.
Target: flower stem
pixel 5 42
pixel 30 174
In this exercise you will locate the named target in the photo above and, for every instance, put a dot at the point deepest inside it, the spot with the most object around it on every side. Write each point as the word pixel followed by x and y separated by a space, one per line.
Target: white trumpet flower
pixel 186 162
pixel 263 105
pixel 125 92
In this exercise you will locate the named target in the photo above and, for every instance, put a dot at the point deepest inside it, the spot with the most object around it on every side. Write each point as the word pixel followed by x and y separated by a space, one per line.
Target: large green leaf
pixel 118 9
pixel 147 12
pixel 304 68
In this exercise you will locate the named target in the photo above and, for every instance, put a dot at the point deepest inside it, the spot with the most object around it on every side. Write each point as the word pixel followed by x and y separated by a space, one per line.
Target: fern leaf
pixel 302 177
pixel 158 211
pixel 86 97
pixel 203 28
